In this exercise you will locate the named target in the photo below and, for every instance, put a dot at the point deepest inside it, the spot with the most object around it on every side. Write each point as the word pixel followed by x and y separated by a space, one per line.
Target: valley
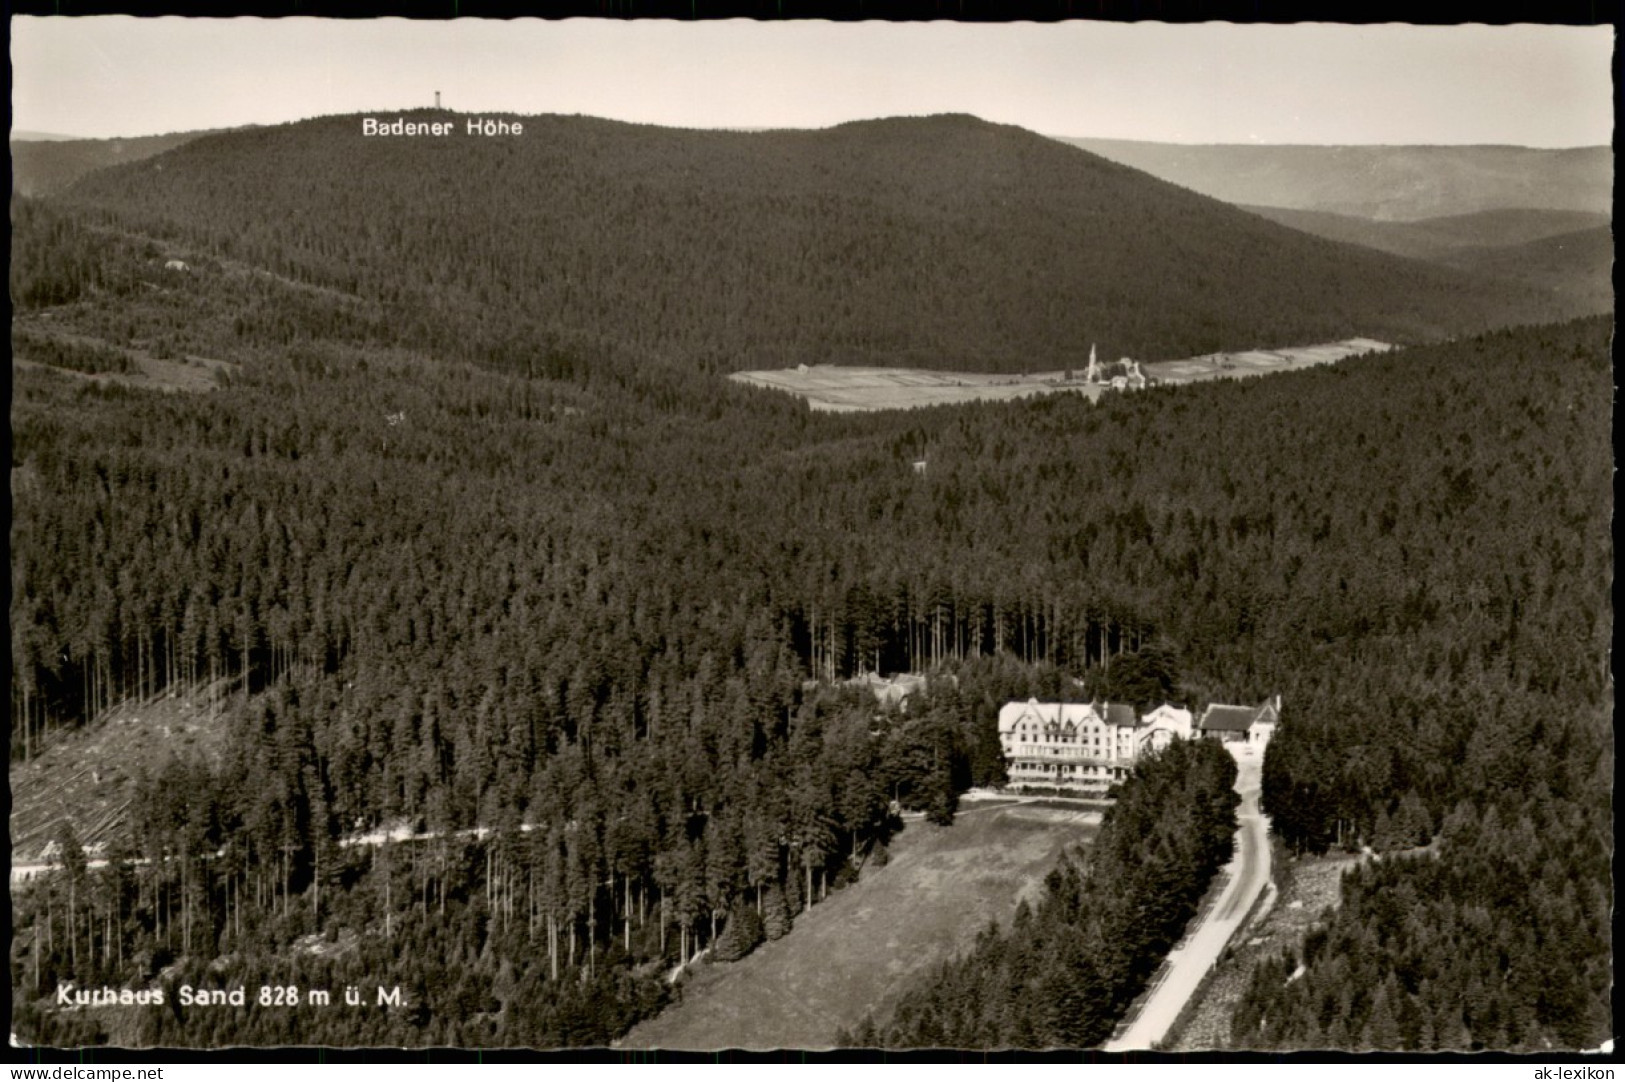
pixel 841 389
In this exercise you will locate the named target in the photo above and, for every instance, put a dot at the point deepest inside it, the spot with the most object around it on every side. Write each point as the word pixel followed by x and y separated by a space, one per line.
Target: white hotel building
pixel 1089 746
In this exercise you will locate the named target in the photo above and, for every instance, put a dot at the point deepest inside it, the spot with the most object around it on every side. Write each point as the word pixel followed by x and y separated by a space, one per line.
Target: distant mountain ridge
pixel 943 242
pixel 1388 183
pixel 42 164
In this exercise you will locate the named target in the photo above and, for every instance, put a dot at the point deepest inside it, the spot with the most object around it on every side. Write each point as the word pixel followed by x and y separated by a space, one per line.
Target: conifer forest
pixel 530 642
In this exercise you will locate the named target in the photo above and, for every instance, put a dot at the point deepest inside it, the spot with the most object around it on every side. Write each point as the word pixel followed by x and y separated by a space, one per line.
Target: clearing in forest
pixel 862 947
pixel 88 776
pixel 838 389
pixel 1260 362
pixel 195 374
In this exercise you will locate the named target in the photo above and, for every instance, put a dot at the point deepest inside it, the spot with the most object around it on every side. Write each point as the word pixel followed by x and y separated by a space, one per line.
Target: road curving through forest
pixel 1247 874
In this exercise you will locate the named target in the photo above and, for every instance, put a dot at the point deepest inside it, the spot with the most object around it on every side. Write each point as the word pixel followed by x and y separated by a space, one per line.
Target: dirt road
pixel 1248 872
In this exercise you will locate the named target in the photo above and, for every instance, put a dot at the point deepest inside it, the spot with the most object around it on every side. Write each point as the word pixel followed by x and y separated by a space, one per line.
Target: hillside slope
pixel 1567 254
pixel 1396 183
pixel 942 242
pixel 1436 238
pixel 46 164
pixel 1577 267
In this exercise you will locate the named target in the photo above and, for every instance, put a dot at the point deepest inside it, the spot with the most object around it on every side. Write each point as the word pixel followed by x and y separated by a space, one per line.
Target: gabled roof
pixel 1169 715
pixel 1050 716
pixel 1120 715
pixel 1227 719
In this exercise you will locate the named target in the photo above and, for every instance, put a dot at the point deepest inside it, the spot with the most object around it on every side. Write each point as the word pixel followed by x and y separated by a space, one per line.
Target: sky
pixel 1548 86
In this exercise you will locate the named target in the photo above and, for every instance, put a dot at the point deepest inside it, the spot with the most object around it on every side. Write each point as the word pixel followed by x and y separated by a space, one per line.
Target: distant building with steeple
pixel 1092 373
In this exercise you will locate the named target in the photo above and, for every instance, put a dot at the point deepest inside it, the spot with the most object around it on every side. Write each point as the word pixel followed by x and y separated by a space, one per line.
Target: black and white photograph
pixel 675 537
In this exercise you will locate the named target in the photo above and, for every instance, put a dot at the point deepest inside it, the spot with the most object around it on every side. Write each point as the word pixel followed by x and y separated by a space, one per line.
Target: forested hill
pixel 940 242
